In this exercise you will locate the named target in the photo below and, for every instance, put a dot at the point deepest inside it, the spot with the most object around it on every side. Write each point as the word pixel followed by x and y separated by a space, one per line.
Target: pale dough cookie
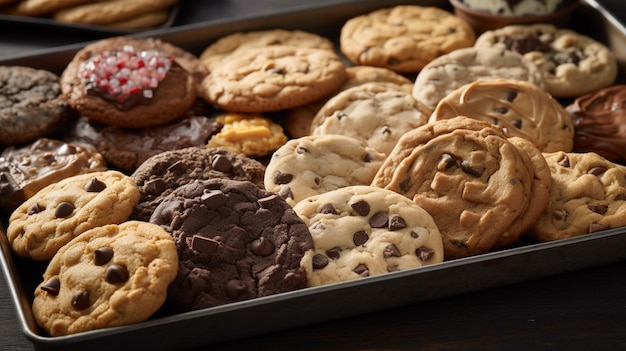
pixel 111 11
pixel 588 195
pixel 250 134
pixel 317 164
pixel 377 113
pixel 108 276
pixel 572 64
pixel 451 71
pixel 466 173
pixel 273 78
pixel 522 108
pixel 362 231
pixel 403 38
pixel 61 211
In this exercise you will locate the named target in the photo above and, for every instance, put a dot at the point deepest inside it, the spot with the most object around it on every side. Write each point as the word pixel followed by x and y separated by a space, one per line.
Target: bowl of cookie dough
pixel 486 15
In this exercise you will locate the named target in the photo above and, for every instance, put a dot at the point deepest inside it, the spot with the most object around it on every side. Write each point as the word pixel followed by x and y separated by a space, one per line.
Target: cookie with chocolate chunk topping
pixel 360 231
pixel 235 241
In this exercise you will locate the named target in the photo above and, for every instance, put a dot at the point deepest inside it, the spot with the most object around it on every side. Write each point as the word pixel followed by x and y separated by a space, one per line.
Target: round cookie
pixel 273 78
pixel 298 120
pixel 56 214
pixel 235 242
pixel 31 105
pixel 317 164
pixel 451 71
pixel 360 231
pixel 522 108
pixel 469 177
pixel 128 83
pixel 159 175
pixel 110 11
pixel 588 195
pixel 600 123
pixel 43 7
pixel 403 38
pixel 108 276
pixel 376 113
pixel 26 170
pixel 572 64
pixel 228 46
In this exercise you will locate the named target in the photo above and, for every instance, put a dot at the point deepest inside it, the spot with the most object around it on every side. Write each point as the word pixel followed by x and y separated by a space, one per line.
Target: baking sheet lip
pixel 512 253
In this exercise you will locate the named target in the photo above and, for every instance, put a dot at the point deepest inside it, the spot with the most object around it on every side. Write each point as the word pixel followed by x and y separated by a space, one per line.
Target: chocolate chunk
pixel 414 234
pixel 234 288
pixel 102 256
pixel 362 208
pixel 367 158
pixel 564 162
pixel 362 270
pixel 115 274
pixel 596 227
pixel 269 202
pixel 524 45
pixel 177 167
pixel 509 95
pixel 391 250
pixel 379 220
pixel 262 247
pixel 155 187
pixel 52 286
pixel 80 300
pixel 501 110
pixel 517 123
pixel 302 150
pixel 221 164
pixel 466 166
pixel 386 130
pixel 203 244
pixel 559 215
pixel 95 185
pixel 334 252
pixel 320 261
pixel 620 197
pixel 329 209
pixel 424 253
pixel 282 178
pixel 396 223
pixel 596 171
pixel 405 184
pixel 64 209
pixel 359 238
pixel 600 209
pixel 285 193
pixel 214 199
pixel 34 208
pixel 341 115
pixel 446 162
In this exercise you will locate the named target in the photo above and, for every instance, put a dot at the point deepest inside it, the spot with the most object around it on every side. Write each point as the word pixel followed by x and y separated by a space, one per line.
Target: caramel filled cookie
pixel 235 241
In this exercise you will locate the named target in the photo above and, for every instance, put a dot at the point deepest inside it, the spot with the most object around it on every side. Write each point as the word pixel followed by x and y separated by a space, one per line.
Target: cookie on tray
pixel 108 276
pixel 316 164
pixel 32 105
pixel 403 38
pixel 476 183
pixel 273 78
pixel 235 242
pixel 361 231
pixel 56 214
pixel 26 170
pixel 128 83
pixel 522 108
pixel 600 123
pixel 588 195
pixel 110 11
pixel 572 64
pixel 451 71
pixel 161 174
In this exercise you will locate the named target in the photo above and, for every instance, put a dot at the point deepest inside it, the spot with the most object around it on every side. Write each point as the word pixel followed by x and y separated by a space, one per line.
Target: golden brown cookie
pixel 403 38
pixel 45 7
pixel 110 11
pixel 108 276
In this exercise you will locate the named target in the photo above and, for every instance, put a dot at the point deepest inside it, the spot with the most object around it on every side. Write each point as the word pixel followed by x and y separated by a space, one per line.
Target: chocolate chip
pixel 276 70
pixel 52 286
pixel 213 199
pixel 282 178
pixel 334 252
pixel 396 223
pixel 379 220
pixel 102 256
pixel 564 162
pixel 329 209
pixel 34 208
pixel 234 288
pixel 405 185
pixel 559 215
pixel 262 247
pixel 317 180
pixel 367 158
pixel 501 110
pixel 386 130
pixel 154 187
pixel 362 270
pixel 203 244
pixel 509 95
pixel 391 250
pixel 221 164
pixel 80 300
pixel 620 197
pixel 341 115
pixel 360 237
pixel 270 201
pixel 596 227
pixel 596 171
pixel 285 193
pixel 414 234
pixel 446 162
pixel 517 123
pixel 600 209
pixel 177 167
pixel 64 209
pixel 115 274
pixel 466 166
pixel 424 253
pixel 527 44
pixel 302 150
pixel 95 186
pixel 320 261
pixel 362 208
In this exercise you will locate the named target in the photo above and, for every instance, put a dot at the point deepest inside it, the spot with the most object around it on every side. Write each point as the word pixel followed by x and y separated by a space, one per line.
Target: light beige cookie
pixel 45 7
pixel 273 78
pixel 361 231
pixel 146 20
pixel 317 164
pixel 108 276
pixel 61 211
pixel 572 64
pixel 451 71
pixel 377 113
pixel 588 195
pixel 522 108
pixel 110 11
pixel 403 38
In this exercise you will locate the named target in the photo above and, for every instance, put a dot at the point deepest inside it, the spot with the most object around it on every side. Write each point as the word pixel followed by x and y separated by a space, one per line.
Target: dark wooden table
pixel 582 310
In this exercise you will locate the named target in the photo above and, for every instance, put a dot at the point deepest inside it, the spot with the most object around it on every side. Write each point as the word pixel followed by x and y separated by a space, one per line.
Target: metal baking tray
pixel 167 331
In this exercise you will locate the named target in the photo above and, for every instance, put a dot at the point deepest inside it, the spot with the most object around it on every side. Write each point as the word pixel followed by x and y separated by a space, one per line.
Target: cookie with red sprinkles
pixel 129 83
